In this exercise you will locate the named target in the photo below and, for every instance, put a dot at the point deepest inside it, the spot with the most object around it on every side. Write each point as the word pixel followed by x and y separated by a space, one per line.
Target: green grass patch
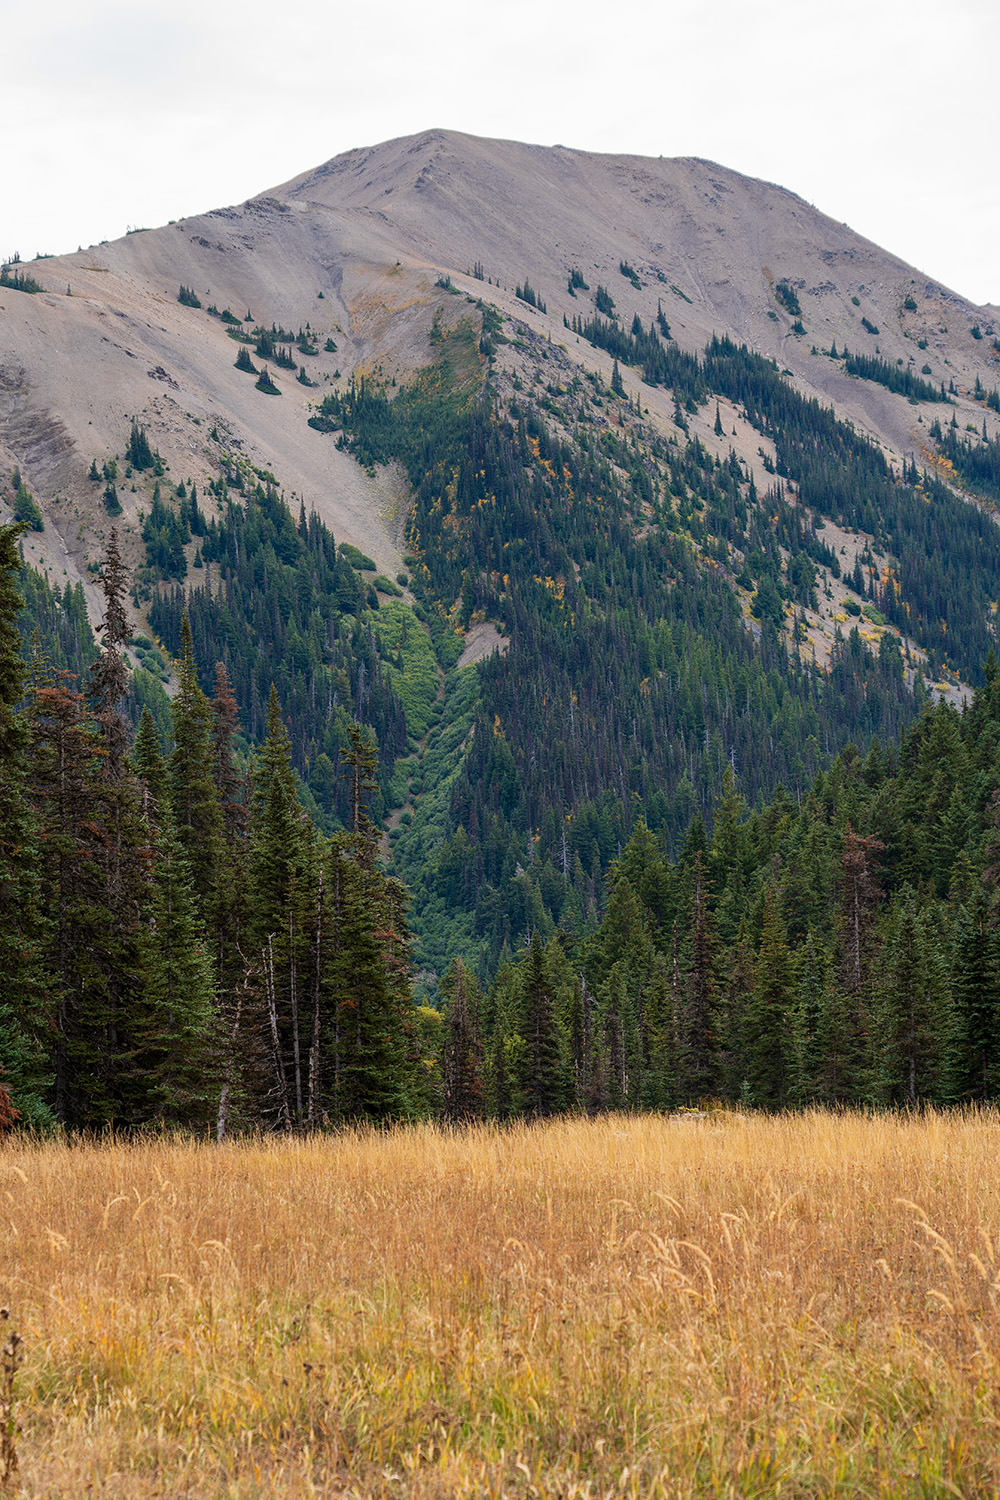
pixel 405 640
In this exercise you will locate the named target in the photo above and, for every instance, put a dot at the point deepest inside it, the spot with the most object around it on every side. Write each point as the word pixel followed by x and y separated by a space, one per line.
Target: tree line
pixel 181 944
pixel 839 949
pixel 188 950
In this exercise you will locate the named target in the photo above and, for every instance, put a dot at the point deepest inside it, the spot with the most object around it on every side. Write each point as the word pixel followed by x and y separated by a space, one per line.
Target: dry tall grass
pixel 638 1307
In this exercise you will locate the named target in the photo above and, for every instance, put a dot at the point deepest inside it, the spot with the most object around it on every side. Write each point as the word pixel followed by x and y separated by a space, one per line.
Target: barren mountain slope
pixel 691 229
pixel 353 249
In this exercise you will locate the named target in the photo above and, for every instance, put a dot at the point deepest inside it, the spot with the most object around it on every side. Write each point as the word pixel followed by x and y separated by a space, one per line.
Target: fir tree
pixel 975 978
pixel 367 974
pixel 23 925
pixel 859 896
pixel 66 790
pixel 193 795
pixel 279 907
pixel 230 918
pixel 225 728
pixel 149 767
pixel 138 451
pixel 767 1048
pixel 360 760
pixel 543 1071
pixel 914 1030
pixel 695 1021
pixel 462 1061
pixel 175 1033
pixel 121 854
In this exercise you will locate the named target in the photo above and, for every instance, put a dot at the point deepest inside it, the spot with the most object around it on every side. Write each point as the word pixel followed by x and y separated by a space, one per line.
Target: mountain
pixel 587 419
pixel 372 230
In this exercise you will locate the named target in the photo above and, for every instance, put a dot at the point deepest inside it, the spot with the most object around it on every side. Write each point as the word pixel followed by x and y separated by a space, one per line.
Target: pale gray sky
pixel 880 112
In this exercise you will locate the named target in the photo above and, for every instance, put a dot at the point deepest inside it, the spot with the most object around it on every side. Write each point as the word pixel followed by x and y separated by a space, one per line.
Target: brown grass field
pixel 795 1306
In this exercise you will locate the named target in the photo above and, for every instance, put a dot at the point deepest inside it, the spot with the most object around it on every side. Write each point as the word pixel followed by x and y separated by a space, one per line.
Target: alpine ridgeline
pixel 581 482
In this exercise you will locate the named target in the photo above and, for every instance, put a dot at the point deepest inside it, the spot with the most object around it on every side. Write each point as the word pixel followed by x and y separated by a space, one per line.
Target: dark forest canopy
pixel 188 948
pixel 184 946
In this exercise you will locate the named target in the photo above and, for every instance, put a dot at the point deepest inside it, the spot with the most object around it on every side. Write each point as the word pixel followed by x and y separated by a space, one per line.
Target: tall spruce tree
pixel 149 768
pixel 768 1042
pixel 176 1040
pixel 66 789
pixel 122 850
pixel 230 919
pixel 193 795
pixel 228 782
pixel 462 1056
pixel 914 1032
pixel 860 893
pixel 543 1081
pixel 369 1063
pixel 694 1024
pixel 975 978
pixel 280 905
pixel 24 1017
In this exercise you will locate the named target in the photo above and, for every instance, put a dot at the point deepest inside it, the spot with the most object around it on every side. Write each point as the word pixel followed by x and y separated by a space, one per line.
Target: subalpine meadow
pixel 633 1305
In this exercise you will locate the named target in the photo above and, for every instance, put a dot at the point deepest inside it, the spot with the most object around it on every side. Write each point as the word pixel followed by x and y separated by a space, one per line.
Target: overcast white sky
pixel 880 112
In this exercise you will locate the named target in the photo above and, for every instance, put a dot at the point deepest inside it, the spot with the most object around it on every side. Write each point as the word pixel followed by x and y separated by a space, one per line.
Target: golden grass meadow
pixel 633 1306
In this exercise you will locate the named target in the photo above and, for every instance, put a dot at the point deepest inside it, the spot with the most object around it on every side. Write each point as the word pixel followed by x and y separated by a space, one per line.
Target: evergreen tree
pixel 914 1025
pixel 121 853
pixel 543 1071
pixel 360 760
pixel 462 1060
pixel 229 930
pixel 66 790
pixel 813 1032
pixel 767 1048
pixel 859 896
pixel 694 1023
pixel 138 451
pixel 369 965
pixel 173 1061
pixel 279 905
pixel 23 925
pixel 727 857
pixel 733 1030
pixel 975 978
pixel 228 782
pixel 149 768
pixel 193 795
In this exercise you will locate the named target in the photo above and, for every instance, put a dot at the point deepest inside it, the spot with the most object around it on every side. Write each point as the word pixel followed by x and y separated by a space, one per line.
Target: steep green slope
pixel 651 601
pixel 632 681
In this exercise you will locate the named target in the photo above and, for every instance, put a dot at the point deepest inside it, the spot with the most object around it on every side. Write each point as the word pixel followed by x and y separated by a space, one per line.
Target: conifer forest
pixel 651 853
